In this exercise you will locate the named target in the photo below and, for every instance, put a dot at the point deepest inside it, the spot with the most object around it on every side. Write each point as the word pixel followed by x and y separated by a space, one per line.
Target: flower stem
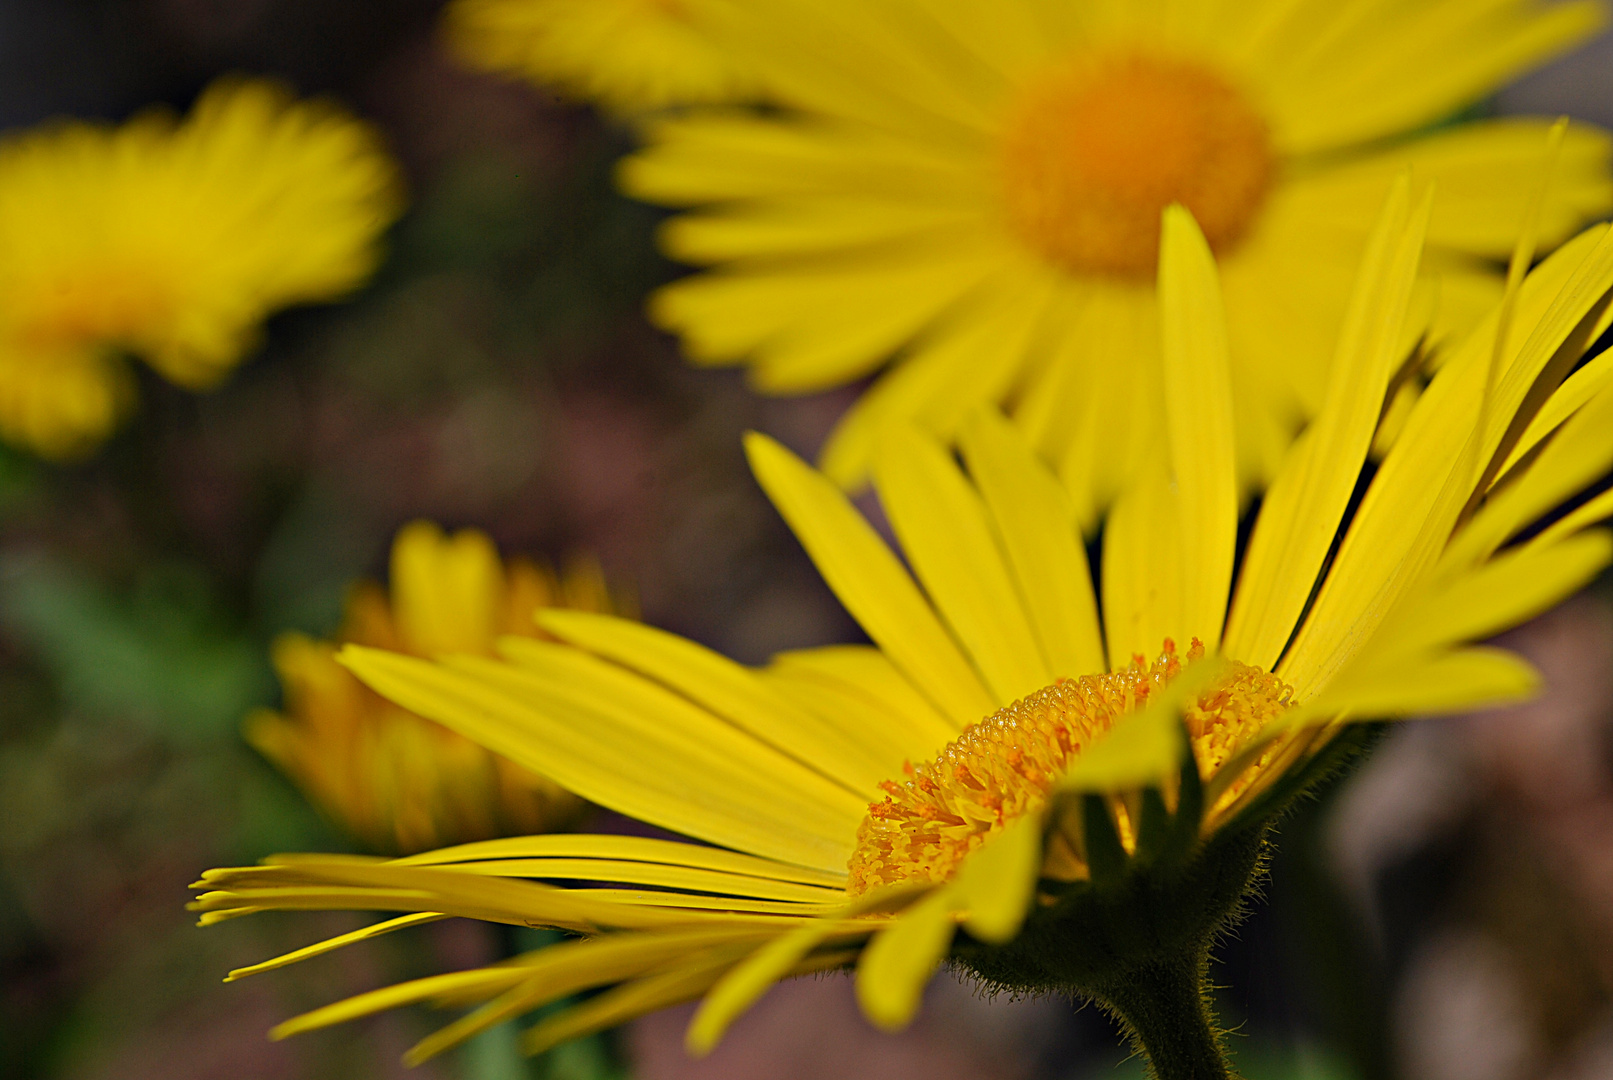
pixel 1165 1008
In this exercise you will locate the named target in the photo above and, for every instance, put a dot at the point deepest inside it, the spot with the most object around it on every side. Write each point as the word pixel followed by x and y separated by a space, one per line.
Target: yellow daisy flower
pixel 1080 817
pixel 397 782
pixel 172 240
pixel 974 188
pixel 626 55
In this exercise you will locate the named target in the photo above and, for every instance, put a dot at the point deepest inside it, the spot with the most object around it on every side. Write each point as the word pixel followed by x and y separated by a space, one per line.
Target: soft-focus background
pixel 1446 914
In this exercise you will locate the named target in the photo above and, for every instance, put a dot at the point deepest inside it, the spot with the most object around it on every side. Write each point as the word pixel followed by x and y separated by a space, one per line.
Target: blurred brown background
pixel 1448 913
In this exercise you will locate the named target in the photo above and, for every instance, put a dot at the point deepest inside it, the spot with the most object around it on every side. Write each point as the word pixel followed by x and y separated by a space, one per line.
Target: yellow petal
pixel 1142 568
pixel 1575 457
pixel 942 526
pixel 899 961
pixel 340 941
pixel 686 980
pixel 445 590
pixel 639 848
pixel 1302 511
pixel 995 883
pixel 1507 591
pixel 870 582
pixel 865 671
pixel 1576 390
pixel 750 979
pixel 628 745
pixel 1198 410
pixel 1451 682
pixel 659 875
pixel 726 688
pixel 1416 498
pixel 1036 527
pixel 485 980
pixel 973 356
pixel 814 324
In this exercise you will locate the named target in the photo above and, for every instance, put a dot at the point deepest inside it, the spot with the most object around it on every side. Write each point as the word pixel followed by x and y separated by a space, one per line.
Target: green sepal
pixel 1155 828
pixel 1184 837
pixel 1106 855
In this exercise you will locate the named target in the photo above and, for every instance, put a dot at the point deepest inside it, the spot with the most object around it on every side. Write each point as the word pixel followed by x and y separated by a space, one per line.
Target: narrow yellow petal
pixel 639 848
pixel 629 746
pixel 1415 499
pixel 726 688
pixel 735 157
pixel 1575 457
pixel 864 670
pixel 628 872
pixel 749 980
pixel 1036 527
pixel 1576 390
pixel 942 526
pixel 374 930
pixel 445 590
pixel 1302 511
pixel 886 738
pixel 1509 590
pixel 1592 512
pixel 1142 568
pixel 553 972
pixel 484 980
pixel 1471 678
pixel 995 883
pixel 899 961
pixel 972 357
pixel 870 581
pixel 1198 410
pixel 685 981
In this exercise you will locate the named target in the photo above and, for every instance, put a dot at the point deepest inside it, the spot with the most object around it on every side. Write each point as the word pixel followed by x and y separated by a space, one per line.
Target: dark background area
pixel 498 373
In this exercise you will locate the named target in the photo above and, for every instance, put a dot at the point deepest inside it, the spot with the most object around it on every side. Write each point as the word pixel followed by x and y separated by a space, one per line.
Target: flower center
pixel 1094 151
pixel 1004 766
pixel 93 306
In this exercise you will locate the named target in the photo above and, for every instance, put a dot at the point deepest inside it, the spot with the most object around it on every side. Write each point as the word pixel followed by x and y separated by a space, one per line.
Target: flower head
pixel 626 55
pixel 1052 775
pixel 396 781
pixel 172 240
pixel 971 193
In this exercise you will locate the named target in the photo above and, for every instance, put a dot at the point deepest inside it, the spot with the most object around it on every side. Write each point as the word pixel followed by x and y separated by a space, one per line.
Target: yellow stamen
pixel 1004 766
pixel 1095 150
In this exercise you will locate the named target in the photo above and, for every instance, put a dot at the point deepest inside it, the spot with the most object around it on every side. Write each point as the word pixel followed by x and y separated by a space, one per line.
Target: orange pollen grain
pixel 1095 150
pixel 1005 765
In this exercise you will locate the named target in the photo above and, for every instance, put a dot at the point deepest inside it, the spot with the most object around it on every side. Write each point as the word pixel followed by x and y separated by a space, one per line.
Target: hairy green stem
pixel 1165 1007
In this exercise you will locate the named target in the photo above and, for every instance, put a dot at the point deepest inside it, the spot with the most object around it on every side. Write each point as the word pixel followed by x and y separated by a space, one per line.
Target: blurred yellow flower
pixel 172 240
pixel 973 188
pixel 1082 818
pixel 626 55
pixel 397 782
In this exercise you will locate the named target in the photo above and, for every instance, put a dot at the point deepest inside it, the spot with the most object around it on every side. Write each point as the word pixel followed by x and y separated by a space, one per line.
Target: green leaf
pixel 158 652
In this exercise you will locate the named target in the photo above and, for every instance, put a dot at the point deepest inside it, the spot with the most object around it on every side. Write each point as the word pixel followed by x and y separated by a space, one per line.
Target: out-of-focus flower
pixel 398 782
pixel 626 55
pixel 172 240
pixel 974 188
pixel 1084 819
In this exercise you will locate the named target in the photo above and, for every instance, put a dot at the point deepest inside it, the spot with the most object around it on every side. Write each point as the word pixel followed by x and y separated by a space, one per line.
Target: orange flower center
pixel 95 306
pixel 1005 766
pixel 1094 151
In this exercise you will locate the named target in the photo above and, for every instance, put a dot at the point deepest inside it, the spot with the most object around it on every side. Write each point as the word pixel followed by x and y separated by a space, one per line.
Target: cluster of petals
pixel 1344 605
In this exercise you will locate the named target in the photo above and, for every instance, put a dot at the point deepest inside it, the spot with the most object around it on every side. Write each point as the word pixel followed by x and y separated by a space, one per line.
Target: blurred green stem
pixel 1165 1007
